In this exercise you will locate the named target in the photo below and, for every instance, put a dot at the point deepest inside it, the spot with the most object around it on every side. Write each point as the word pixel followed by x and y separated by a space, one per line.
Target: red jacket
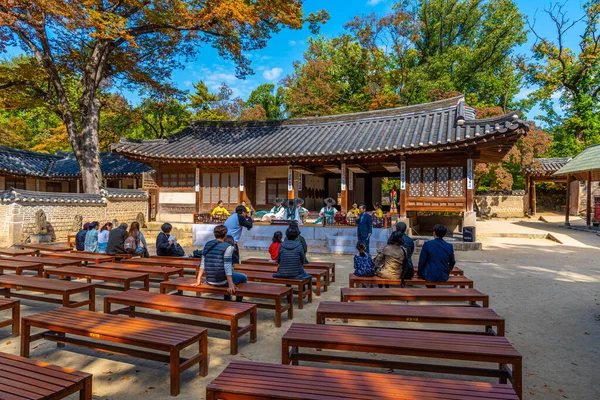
pixel 274 250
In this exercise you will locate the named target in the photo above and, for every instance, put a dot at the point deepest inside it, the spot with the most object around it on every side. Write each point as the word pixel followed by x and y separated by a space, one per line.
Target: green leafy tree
pixel 270 99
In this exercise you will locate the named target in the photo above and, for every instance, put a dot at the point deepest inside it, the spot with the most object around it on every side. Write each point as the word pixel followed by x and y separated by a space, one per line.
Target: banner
pixel 402 175
pixel 350 180
pixel 241 178
pixel 290 179
pixel 197 187
pixel 470 174
pixel 300 181
pixel 343 177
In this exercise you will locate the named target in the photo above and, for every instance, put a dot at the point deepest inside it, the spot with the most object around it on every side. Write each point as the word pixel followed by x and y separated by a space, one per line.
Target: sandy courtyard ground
pixel 548 292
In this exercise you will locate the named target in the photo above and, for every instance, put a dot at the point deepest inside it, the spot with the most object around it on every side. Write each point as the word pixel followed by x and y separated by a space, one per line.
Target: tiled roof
pixel 62 164
pixel 547 166
pixel 438 125
pixel 124 193
pixel 27 196
pixel 587 160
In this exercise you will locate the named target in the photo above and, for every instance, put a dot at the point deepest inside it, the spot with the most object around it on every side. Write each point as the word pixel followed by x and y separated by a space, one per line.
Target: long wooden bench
pixel 162 273
pixel 152 339
pixel 472 316
pixel 11 252
pixel 326 266
pixel 15 308
pixel 232 311
pixel 119 277
pixel 84 258
pixel 319 276
pixel 457 281
pixel 272 293
pixel 49 262
pixel 185 263
pixel 64 289
pixel 251 380
pixel 44 247
pixel 424 344
pixel 24 379
pixel 20 266
pixel 471 296
pixel 300 284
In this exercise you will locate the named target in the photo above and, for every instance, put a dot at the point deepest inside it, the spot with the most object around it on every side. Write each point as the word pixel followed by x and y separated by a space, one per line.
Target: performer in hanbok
pixel 290 213
pixel 327 212
pixel 354 211
pixel 303 212
pixel 268 215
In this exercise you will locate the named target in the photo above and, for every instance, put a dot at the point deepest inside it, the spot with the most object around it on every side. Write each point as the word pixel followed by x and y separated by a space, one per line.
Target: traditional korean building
pixel 430 148
pixel 42 172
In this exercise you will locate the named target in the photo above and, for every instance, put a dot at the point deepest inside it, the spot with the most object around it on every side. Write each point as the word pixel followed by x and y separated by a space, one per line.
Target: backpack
pixel 177 250
pixel 130 245
pixel 407 271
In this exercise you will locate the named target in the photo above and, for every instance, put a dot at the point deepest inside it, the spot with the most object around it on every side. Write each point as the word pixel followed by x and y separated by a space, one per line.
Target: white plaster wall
pixel 262 173
pixel 177 197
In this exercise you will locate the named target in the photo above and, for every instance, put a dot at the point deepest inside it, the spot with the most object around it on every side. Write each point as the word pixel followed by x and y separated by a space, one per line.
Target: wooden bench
pixel 163 273
pixel 120 277
pixel 318 275
pixel 251 380
pixel 152 338
pixel 267 277
pixel 20 266
pixel 456 271
pixel 84 258
pixel 15 307
pixel 328 266
pixel 473 316
pixel 11 252
pixel 24 379
pixel 424 344
pixel 457 281
pixel 64 289
pixel 232 311
pixel 272 293
pixel 185 263
pixel 472 296
pixel 49 262
pixel 45 247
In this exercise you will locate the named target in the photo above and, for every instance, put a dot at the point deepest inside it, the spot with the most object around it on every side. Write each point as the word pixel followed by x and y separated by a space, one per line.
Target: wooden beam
pixel 589 200
pixel 391 167
pixel 533 197
pixel 357 169
pixel 344 189
pixel 568 207
pixel 291 193
pixel 333 168
pixel 303 170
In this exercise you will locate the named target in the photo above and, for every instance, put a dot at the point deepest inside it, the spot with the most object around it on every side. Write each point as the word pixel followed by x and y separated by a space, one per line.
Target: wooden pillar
pixel 533 197
pixel 351 183
pixel 588 220
pixel 135 182
pixel 290 183
pixel 78 185
pixel 402 189
pixel 242 185
pixel 568 207
pixel 344 189
pixel 470 185
pixel 197 189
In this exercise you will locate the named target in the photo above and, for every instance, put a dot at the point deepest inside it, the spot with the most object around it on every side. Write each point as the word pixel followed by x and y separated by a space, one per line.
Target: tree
pixel 134 42
pixel 162 114
pixel 270 99
pixel 572 76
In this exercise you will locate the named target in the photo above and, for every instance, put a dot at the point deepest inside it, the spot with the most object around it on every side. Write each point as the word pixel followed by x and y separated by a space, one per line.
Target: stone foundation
pixel 501 205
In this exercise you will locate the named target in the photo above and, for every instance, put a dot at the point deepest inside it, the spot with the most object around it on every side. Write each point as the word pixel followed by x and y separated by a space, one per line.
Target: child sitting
pixel 363 262
pixel 274 247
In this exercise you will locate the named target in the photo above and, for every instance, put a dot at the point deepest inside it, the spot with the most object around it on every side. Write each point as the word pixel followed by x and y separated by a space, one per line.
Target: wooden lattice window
pixel 456 181
pixel 436 182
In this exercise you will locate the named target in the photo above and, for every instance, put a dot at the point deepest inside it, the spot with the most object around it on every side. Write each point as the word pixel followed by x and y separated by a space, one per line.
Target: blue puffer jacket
pixel 214 261
pixel 291 260
pixel 80 239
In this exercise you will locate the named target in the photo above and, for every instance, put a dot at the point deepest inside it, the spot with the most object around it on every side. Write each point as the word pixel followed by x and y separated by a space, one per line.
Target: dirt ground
pixel 548 292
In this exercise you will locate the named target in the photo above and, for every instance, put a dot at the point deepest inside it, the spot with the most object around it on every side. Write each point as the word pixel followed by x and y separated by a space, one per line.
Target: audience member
pixel 291 257
pixel 116 240
pixel 409 244
pixel 80 237
pixel 217 262
pixel 164 247
pixel 103 237
pixel 389 260
pixel 363 262
pixel 437 257
pixel 364 226
pixel 275 243
pixel 136 238
pixel 91 238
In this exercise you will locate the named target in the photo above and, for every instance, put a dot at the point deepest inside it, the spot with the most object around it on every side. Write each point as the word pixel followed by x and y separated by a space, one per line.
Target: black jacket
pixel 163 247
pixel 80 240
pixel 116 241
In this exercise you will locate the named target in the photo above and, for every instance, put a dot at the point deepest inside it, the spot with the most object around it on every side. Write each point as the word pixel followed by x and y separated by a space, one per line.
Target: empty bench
pixel 232 311
pixel 319 276
pixel 153 271
pixel 472 296
pixel 120 277
pixel 14 320
pixel 457 281
pixel 64 289
pixel 439 346
pixel 152 339
pixel 20 266
pixel 325 266
pixel 83 257
pixel 470 316
pixel 21 378
pixel 186 263
pixel 252 380
pixel 274 294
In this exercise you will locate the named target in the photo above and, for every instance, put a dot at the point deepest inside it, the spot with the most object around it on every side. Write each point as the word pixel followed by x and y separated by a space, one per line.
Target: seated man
pixel 164 247
pixel 291 258
pixel 217 262
pixel 116 240
pixel 268 215
pixel 437 257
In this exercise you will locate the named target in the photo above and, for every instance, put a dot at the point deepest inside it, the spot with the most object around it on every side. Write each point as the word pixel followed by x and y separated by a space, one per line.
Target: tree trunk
pixel 87 150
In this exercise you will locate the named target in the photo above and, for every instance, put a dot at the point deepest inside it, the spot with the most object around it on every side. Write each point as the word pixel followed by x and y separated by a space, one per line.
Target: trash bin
pixel 469 234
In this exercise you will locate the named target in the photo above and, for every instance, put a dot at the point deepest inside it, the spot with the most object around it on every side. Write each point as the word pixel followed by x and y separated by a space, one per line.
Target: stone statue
pixel 141 220
pixel 41 224
pixel 115 223
pixel 77 224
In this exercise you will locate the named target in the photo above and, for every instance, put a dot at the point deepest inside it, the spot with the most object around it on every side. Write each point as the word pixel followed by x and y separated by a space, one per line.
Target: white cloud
pixel 188 83
pixel 272 74
pixel 292 43
pixel 374 2
pixel 523 93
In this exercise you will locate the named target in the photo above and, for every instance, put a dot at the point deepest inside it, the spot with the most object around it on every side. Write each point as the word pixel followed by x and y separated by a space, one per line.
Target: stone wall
pixel 18 208
pixel 501 205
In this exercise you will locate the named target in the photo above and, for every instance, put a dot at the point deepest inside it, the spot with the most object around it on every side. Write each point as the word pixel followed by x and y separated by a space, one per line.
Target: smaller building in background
pixel 28 170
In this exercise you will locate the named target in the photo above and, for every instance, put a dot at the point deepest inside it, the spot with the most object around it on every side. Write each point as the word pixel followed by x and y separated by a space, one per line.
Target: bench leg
pixel 278 312
pixel 175 372
pixel 253 332
pixel 203 345
pixel 147 284
pixel 233 337
pixel 210 394
pixel 92 297
pixel 16 318
pixel 86 392
pixel 517 376
pixel 301 296
pixel 333 274
pixel 25 338
pixel 285 355
pixel 291 306
pixel 310 290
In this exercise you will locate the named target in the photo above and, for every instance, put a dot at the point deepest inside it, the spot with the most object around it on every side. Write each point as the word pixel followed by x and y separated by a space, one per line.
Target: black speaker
pixel 468 234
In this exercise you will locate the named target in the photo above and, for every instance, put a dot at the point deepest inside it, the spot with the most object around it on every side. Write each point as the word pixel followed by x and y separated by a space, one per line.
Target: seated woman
pixel 291 257
pixel 389 260
pixel 377 216
pixel 220 210
pixel 91 238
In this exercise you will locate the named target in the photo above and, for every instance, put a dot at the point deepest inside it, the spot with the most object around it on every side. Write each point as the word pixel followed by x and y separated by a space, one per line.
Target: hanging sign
pixel 343 177
pixel 197 179
pixel 350 180
pixel 290 179
pixel 470 174
pixel 241 178
pixel 300 181
pixel 402 175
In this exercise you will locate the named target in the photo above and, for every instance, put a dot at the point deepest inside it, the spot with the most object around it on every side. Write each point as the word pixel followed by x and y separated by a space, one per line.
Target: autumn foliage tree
pixel 135 42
